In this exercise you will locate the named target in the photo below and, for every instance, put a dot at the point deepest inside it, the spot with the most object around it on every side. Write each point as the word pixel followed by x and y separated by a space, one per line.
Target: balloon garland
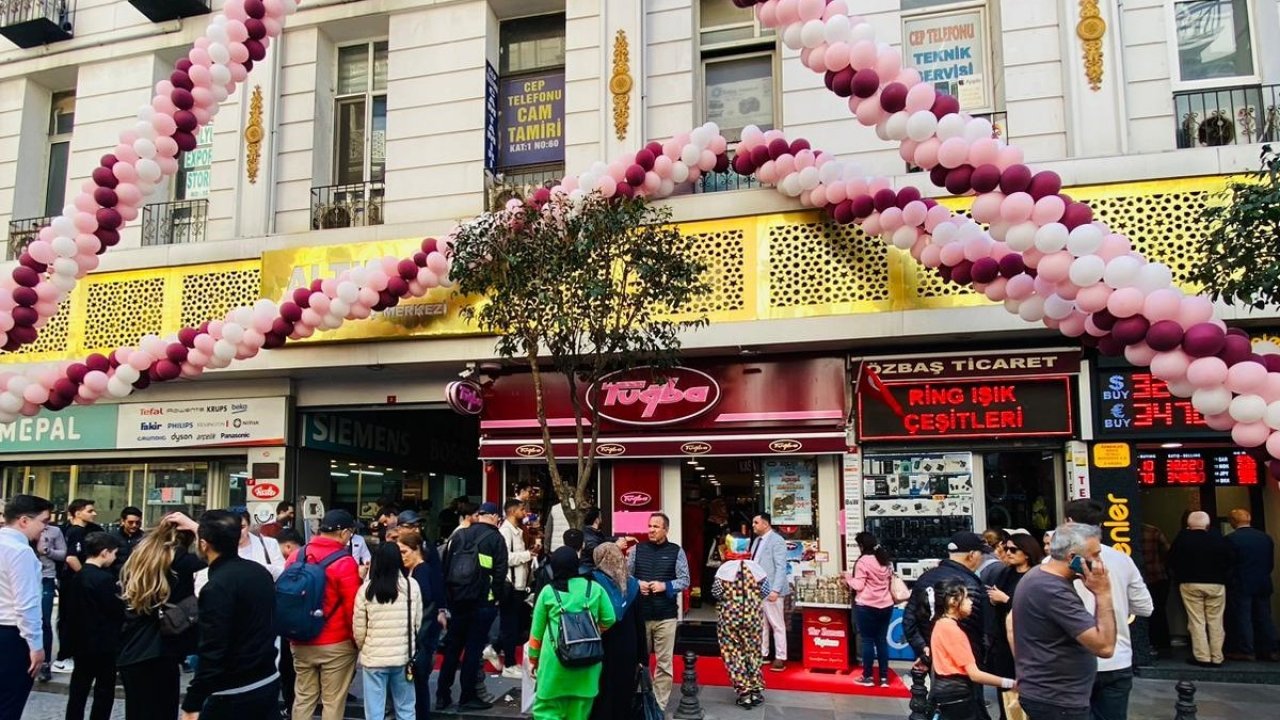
pixel 1041 253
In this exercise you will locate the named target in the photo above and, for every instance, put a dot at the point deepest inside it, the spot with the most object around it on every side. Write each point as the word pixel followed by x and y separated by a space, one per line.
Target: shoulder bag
pixel 898 589
pixel 408 628
pixel 177 618
pixel 578 643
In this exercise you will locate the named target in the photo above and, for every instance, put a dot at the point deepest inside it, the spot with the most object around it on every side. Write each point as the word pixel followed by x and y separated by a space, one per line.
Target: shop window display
pixel 174 487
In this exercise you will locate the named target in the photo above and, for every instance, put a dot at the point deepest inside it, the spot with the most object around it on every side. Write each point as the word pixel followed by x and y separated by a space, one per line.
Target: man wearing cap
pixel 326 664
pixel 475 571
pixel 964 556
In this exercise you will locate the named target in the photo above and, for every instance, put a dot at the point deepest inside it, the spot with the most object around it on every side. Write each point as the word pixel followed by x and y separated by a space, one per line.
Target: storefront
pixel 162 456
pixel 711 444
pixel 958 442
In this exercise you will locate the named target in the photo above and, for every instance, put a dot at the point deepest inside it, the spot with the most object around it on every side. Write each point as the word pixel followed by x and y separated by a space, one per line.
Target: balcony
pixel 30 23
pixel 340 206
pixel 174 223
pixel 519 184
pixel 725 181
pixel 1228 116
pixel 21 233
pixel 162 10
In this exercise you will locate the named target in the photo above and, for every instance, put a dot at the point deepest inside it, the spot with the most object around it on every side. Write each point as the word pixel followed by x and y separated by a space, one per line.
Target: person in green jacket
pixel 565 693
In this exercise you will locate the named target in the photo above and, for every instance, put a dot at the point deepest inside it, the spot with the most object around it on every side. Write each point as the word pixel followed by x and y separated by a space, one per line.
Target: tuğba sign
pixel 639 397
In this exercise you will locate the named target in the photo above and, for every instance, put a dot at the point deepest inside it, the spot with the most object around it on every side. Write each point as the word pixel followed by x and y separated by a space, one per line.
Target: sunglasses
pixel 1012 548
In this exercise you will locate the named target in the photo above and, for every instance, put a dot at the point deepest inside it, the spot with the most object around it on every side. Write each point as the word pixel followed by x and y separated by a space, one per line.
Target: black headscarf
pixel 564 565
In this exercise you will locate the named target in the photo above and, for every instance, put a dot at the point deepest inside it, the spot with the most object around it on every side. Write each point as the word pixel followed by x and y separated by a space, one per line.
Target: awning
pixel 673 445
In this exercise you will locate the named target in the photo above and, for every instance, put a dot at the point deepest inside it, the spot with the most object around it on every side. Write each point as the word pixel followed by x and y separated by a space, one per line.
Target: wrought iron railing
pixel 519 184
pixel 1228 116
pixel 725 181
pixel 28 23
pixel 21 233
pixel 175 223
pixel 351 205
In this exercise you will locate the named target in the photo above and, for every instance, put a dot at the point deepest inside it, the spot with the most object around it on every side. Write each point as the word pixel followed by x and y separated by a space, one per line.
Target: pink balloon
pixel 1016 207
pixel 913 214
pixel 204 98
pixel 1247 378
pixel 862 55
pixel 166 147
pixel 931 256
pixel 1220 421
pixel 837 193
pixel 238 52
pixel 1140 354
pixel 125 173
pixel 953 254
pixel 815 58
pixel 1093 298
pixel 1021 287
pixel 198 55
pixel 1055 266
pixel 125 154
pixel 1126 302
pixel 920 97
pixel 1273 444
pixel 1048 209
pixel 164 125
pixel 997 290
pixel 891 219
pixel 784 165
pixel 1032 258
pixel 1072 325
pixel 927 153
pixel 168 165
pixel 1195 309
pixel 1207 372
pixel 128 193
pixel 805 158
pixel 1162 304
pixel 984 151
pixel 953 153
pixel 85 203
pixel 662 165
pixel 811 9
pixel 200 76
pixel 837 56
pixel 1113 246
pixel 869 111
pixel 834 7
pixel 1250 434
pixel 1170 366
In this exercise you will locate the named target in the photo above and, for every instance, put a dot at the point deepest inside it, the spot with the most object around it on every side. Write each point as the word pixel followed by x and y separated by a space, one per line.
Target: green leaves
pixel 1237 257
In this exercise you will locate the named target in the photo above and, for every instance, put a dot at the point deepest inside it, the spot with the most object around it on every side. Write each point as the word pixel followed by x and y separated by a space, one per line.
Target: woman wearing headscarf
pixel 740 588
pixel 625 651
pixel 565 693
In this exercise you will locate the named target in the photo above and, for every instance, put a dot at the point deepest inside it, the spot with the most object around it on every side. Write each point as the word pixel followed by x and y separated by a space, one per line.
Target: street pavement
pixel 1151 700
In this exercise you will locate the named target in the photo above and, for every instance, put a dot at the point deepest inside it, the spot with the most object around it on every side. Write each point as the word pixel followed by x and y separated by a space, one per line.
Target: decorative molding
pixel 253 135
pixel 1090 30
pixel 620 85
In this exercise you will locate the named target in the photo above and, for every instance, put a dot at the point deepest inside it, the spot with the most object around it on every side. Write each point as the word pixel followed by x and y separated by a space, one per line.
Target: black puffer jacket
pixel 917 621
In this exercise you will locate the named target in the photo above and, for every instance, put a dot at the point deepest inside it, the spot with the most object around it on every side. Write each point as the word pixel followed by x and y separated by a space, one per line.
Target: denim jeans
pixel 1110 700
pixel 1044 711
pixel 377 682
pixel 873 628
pixel 49 589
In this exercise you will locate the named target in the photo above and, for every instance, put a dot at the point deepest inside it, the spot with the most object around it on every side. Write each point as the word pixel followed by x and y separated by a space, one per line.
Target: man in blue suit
pixel 1255 631
pixel 770 551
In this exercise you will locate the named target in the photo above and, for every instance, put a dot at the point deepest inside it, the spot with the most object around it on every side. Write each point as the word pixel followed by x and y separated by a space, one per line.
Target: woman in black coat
pixel 625 651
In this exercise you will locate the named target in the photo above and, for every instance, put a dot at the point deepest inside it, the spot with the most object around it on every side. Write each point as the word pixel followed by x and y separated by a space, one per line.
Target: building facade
pixel 374 123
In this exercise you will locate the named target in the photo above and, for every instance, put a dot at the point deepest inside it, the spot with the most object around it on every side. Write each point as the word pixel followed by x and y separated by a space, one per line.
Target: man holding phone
pixel 1056 640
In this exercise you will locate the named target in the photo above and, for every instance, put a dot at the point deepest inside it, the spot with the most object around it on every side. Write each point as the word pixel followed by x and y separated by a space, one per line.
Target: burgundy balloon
pixel 843 212
pixel 180 79
pixel 1015 178
pixel 760 155
pixel 109 237
pixel 1164 335
pixel 1272 362
pixel 958 180
pixel 255 9
pixel 257 51
pixel 893 97
pixel 799 144
pixel 885 198
pixel 645 159
pixel 778 147
pixel 187 336
pixel 176 352
pixel 97 362
pixel 985 178
pixel 1103 319
pixel 842 83
pixel 907 195
pixel 23 334
pixel 26 260
pixel 248 65
pixel 625 191
pixel 1077 214
pixel 407 269
pixel 64 386
pixel 742 164
pixel 109 218
pixel 25 276
pixel 106 197
pixel 985 270
pixel 1131 330
pixel 103 177
pixel 280 326
pixel 274 340
pixel 938 176
pixel 1238 331
pixel 962 274
pixel 182 99
pixel 865 83
pixel 1108 345
pixel 944 105
pixel 23 317
pixel 183 64
pixel 1011 265
pixel 1273 467
pixel 945 272
pixel 1235 349
pixel 168 369
pixel 397 287
pixel 143 382
pixel 185 120
pixel 1044 184
pixel 317 285
pixel 634 175
pixel 203 327
pixel 25 296
pixel 541 195
pixel 257 30
pixel 186 141
pixel 290 311
pixel 862 206
pixel 420 259
pixel 1203 340
pixel 654 147
pixel 302 297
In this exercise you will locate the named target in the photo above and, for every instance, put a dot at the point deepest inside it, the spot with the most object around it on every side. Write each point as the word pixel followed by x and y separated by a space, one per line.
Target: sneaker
pixel 865 682
pixel 757 699
pixel 472 705
pixel 491 656
pixel 884 683
pixel 63 666
pixel 513 673
pixel 744 701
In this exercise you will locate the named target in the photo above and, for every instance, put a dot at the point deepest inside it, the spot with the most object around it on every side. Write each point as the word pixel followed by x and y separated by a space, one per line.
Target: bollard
pixel 1185 708
pixel 919 693
pixel 689 707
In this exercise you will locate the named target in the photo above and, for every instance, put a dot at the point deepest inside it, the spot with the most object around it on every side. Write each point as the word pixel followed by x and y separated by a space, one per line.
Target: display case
pixel 914 502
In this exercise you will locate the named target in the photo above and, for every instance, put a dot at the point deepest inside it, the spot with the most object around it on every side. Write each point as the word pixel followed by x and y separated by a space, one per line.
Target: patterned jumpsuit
pixel 740 607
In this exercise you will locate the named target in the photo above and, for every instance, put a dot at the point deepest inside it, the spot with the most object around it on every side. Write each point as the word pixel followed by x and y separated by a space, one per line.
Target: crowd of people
pixel 271 623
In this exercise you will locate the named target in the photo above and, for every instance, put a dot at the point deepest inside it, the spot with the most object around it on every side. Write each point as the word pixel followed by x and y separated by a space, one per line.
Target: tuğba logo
pixel 640 397
pixel 610 449
pixel 530 451
pixel 785 446
pixel 695 448
pixel 635 499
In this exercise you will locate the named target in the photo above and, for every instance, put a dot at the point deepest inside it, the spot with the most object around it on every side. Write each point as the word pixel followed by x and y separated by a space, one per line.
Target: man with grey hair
pixel 1056 641
pixel 1202 562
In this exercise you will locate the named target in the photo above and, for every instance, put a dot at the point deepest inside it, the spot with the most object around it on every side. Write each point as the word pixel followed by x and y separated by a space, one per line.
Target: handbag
pixel 177 618
pixel 644 704
pixel 578 643
pixel 408 630
pixel 947 689
pixel 1012 708
pixel 898 589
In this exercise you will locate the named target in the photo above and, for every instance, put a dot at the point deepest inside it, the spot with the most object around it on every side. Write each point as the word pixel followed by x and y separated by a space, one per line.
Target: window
pixel 952 51
pixel 361 114
pixel 530 44
pixel 192 182
pixel 528 125
pixel 1214 39
pixel 62 119
pixel 738 58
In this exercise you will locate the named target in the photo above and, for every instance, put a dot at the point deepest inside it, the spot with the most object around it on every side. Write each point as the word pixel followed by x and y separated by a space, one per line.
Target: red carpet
pixel 711 671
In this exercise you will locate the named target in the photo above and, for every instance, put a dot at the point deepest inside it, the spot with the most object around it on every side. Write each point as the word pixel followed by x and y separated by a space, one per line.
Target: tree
pixel 1239 257
pixel 588 286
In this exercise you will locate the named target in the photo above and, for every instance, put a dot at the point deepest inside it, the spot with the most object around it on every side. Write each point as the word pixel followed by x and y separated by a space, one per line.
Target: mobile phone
pixel 1078 564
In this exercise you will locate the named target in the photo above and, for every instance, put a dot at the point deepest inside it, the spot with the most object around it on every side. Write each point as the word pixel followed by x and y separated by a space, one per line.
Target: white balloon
pixel 1087 270
pixel 219 74
pixel 812 34
pixel 837 29
pixel 65 266
pixel 224 349
pixel 951 126
pixel 63 283
pixel 1153 276
pixel 829 172
pixel 118 388
pixel 63 226
pixel 679 171
pixel 1021 237
pixel 690 155
pixel 339 308
pixel 863 31
pixel 348 292
pixel 145 148
pixel 145 130
pixel 10 402
pixel 330 322
pixel 1122 271
pixel 978 129
pixel 666 188
pixel 791 36
pixel 904 237
pixel 1032 309
pixel 1211 401
pixel 1182 389
pixel 64 247
pixel 944 233
pixel 921 125
pixel 220 94
pixel 218 53
pixel 808 178
pixel 896 126
pixel 1247 408
pixel 1057 307
pixel 1272 415
pixel 1084 240
pixel 128 373
pixel 148 170
pixel 233 332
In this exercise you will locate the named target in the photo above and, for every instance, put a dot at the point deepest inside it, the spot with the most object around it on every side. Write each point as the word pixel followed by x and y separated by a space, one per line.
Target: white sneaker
pixel 63 666
pixel 514 673
pixel 491 656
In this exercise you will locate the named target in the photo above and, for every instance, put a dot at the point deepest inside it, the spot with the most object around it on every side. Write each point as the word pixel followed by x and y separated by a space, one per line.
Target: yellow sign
pixel 1111 455
pixel 433 315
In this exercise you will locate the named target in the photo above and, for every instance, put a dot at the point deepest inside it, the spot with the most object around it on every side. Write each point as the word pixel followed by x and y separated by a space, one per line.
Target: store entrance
pixel 415 458
pixel 1021 489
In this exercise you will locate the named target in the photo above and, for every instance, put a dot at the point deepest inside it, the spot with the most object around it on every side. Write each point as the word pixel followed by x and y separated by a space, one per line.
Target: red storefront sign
pixel 640 397
pixel 826 639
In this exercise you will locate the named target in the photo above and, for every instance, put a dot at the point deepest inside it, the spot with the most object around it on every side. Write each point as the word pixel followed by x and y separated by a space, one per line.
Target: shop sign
pixel 330 431
pixel 237 422
pixel 646 396
pixel 1130 402
pixel 950 52
pixel 531 451
pixel 87 427
pixel 789 491
pixel 490 117
pixel 826 640
pixel 635 499
pixel 785 446
pixel 695 448
pixel 1030 363
pixel 1111 455
pixel 464 397
pixel 610 449
pixel 531 119
pixel 968 409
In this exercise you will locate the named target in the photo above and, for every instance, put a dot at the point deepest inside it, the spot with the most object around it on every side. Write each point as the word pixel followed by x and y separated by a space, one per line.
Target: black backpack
pixel 465 580
pixel 578 643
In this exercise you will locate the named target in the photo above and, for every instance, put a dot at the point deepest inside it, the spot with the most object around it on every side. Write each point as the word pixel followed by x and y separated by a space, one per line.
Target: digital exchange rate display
pixel 1132 403
pixel 1186 468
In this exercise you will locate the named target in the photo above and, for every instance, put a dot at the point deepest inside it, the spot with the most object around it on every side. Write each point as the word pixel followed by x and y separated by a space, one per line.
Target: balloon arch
pixel 1028 245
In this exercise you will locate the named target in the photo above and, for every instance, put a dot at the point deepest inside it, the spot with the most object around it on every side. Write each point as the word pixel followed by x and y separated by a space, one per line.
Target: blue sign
pixel 490 118
pixel 899 648
pixel 531 115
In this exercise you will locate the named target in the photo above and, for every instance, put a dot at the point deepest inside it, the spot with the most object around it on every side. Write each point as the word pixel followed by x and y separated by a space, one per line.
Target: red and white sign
pixel 635 499
pixel 642 396
pixel 825 639
pixel 265 490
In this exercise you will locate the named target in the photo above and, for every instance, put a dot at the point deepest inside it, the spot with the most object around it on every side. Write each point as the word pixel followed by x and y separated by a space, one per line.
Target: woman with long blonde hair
pixel 159 574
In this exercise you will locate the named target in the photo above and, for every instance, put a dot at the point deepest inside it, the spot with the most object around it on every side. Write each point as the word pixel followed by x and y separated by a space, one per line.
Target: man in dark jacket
pixel 1202 563
pixel 129 534
pixel 475 571
pixel 95 613
pixel 964 557
pixel 1249 597
pixel 236 677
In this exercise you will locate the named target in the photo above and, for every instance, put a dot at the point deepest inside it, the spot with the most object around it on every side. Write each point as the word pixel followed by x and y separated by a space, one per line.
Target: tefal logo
pixel 644 397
